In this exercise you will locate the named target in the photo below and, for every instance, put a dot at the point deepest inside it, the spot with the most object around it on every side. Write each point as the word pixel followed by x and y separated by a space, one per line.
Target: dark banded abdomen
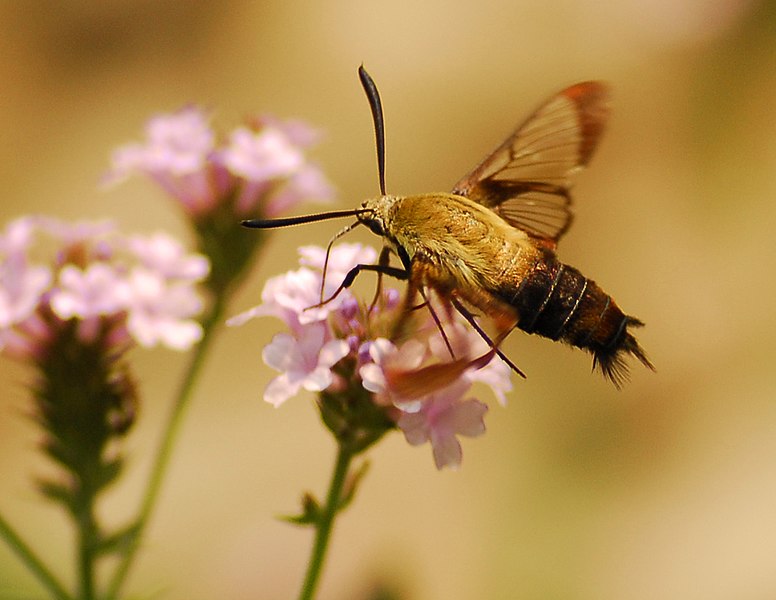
pixel 556 301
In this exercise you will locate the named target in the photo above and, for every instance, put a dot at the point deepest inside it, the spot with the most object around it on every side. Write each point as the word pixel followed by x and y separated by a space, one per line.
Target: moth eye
pixel 375 226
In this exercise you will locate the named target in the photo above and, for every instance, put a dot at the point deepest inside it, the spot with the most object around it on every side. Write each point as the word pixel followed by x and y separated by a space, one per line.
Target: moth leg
pixel 420 272
pixel 382 261
pixel 417 306
pixel 407 307
pixel 466 314
pixel 438 323
pixel 353 273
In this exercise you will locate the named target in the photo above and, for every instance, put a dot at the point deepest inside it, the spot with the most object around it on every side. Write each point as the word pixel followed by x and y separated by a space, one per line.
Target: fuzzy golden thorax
pixel 468 243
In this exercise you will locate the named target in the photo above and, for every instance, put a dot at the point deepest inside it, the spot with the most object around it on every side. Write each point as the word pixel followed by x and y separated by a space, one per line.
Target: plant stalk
pixel 169 438
pixel 32 562
pixel 326 521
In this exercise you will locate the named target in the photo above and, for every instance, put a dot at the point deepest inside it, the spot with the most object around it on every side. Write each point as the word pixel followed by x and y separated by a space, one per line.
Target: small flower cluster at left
pixel 258 170
pixel 73 299
pixel 125 289
pixel 369 379
pixel 261 166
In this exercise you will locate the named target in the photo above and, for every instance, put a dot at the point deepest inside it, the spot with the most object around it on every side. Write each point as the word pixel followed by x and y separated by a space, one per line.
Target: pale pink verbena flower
pixel 166 255
pixel 283 297
pixel 71 234
pixel 290 297
pixel 21 284
pixel 18 235
pixel 261 155
pixel 308 183
pixel 331 348
pixel 94 277
pixel 85 293
pixel 297 131
pixel 496 374
pixel 438 415
pixel 305 361
pixel 262 169
pixel 160 311
pixel 293 297
pixel 341 260
pixel 269 157
pixel 442 417
pixel 177 154
pixel 306 356
pixel 178 144
pixel 387 360
pixel 181 142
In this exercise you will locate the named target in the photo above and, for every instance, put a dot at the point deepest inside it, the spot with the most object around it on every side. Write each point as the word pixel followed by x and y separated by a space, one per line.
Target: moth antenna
pixel 377 117
pixel 337 236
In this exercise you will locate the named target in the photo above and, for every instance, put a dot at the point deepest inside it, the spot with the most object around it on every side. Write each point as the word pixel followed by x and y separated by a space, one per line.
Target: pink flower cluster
pixel 263 162
pixel 417 383
pixel 141 288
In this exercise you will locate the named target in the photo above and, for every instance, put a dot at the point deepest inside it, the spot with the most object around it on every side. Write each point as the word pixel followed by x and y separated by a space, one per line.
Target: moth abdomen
pixel 556 301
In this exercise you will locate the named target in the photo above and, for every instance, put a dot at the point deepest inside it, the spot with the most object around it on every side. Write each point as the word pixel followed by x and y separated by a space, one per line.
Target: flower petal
pixel 280 389
pixel 447 452
pixel 279 353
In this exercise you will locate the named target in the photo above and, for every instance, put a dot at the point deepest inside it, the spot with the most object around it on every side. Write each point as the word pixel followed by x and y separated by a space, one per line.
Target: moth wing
pixel 528 178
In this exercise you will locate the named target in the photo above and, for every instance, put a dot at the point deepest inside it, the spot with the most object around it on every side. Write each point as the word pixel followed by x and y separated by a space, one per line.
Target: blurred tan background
pixel 666 489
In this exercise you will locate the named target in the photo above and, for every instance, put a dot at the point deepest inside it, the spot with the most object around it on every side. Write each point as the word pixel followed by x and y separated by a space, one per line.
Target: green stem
pixel 32 562
pixel 86 529
pixel 169 437
pixel 326 520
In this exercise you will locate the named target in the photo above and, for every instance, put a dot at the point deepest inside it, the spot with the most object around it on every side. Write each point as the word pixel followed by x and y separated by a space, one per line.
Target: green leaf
pixel 109 472
pixel 118 542
pixel 351 484
pixel 310 515
pixel 58 492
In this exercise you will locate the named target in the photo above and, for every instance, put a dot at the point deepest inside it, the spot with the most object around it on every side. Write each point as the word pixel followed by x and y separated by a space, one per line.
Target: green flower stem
pixel 86 554
pixel 32 562
pixel 164 453
pixel 325 521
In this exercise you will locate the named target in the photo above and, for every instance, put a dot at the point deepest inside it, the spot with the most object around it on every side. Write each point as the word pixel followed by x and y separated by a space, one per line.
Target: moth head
pixel 376 213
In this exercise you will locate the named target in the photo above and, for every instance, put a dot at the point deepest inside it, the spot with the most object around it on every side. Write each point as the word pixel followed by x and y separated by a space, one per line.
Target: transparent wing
pixel 526 180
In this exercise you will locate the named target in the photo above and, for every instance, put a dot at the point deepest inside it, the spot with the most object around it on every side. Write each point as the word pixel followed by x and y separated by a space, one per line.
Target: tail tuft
pixel 610 359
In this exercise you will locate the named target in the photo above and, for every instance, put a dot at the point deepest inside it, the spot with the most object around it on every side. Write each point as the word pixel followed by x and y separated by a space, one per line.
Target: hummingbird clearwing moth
pixel 489 244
